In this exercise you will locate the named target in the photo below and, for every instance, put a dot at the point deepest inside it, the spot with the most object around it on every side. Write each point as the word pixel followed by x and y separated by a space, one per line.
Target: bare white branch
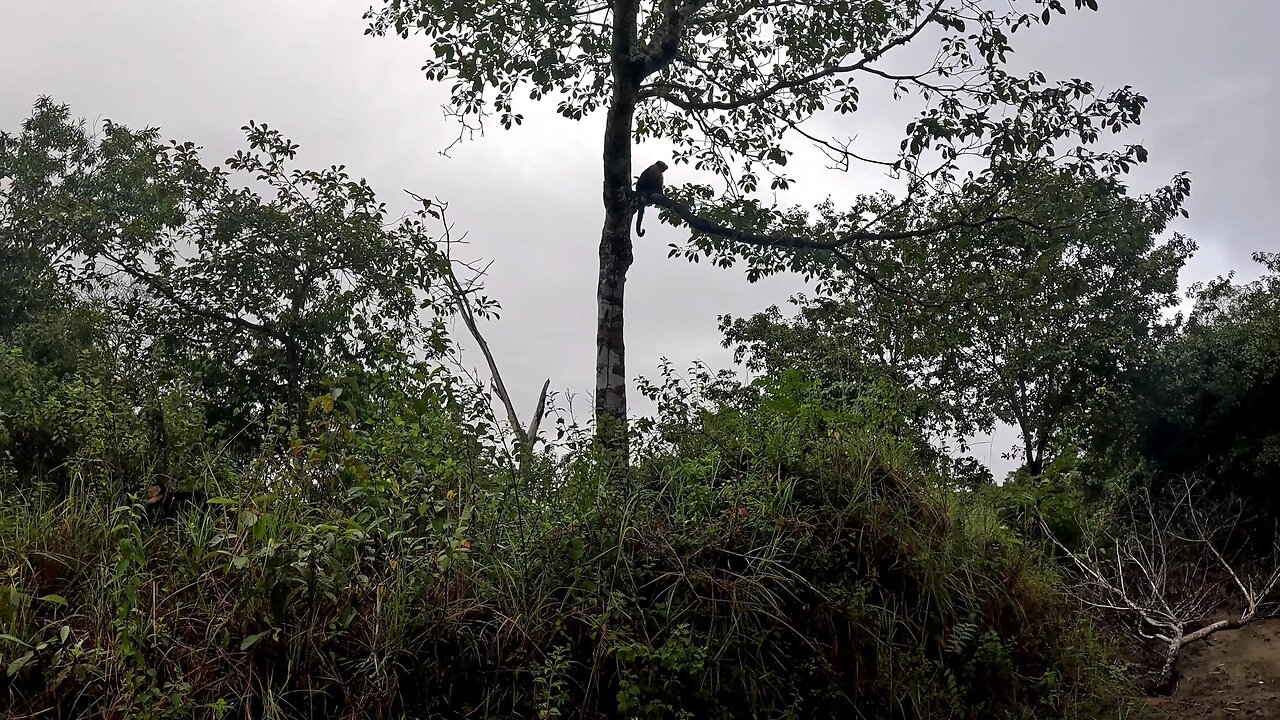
pixel 1168 567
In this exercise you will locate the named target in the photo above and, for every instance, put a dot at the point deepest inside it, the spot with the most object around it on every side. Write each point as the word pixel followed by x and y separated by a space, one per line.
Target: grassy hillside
pixel 765 560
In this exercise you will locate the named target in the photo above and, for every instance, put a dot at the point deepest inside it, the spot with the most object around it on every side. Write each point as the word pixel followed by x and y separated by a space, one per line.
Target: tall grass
pixel 756 563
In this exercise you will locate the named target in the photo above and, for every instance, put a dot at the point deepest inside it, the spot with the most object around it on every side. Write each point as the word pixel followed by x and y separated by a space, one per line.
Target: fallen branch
pixel 1168 567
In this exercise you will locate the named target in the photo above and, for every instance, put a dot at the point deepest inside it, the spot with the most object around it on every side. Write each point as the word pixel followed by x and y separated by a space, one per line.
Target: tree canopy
pixel 1205 403
pixel 1038 323
pixel 262 296
pixel 732 85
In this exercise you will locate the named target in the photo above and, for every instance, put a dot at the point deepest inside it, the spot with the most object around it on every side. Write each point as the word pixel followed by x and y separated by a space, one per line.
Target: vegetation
pixel 1204 402
pixel 364 536
pixel 770 564
pixel 1061 308
pixel 730 86
pixel 376 550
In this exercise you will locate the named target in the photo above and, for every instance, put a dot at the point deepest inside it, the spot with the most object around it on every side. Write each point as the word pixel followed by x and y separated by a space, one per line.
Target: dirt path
pixel 1237 676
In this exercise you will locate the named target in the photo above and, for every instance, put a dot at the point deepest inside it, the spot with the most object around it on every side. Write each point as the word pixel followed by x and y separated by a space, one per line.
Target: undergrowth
pixel 763 558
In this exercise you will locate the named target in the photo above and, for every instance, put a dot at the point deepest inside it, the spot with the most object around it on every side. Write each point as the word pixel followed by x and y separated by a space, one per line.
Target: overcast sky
pixel 530 198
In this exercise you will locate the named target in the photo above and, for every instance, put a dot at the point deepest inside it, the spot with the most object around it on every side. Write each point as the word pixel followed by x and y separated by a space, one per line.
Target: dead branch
pixel 1170 565
pixel 525 438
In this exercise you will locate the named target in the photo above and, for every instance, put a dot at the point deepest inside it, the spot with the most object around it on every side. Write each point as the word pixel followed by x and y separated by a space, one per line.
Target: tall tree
pixel 730 83
pixel 1205 404
pixel 1045 328
pixel 260 295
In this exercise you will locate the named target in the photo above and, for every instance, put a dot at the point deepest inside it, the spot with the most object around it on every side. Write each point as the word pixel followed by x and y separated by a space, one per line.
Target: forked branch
pixel 1170 568
pixel 525 437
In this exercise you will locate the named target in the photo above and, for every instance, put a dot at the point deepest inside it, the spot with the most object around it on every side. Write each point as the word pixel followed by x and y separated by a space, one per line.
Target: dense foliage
pixel 777 550
pixel 731 86
pixel 1206 401
pixel 258 298
pixel 1040 333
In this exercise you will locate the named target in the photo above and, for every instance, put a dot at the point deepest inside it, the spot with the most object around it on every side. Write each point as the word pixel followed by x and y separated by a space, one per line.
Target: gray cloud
pixel 530 197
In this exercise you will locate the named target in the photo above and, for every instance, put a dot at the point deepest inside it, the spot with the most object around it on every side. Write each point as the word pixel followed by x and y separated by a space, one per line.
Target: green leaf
pixel 253 639
pixel 21 662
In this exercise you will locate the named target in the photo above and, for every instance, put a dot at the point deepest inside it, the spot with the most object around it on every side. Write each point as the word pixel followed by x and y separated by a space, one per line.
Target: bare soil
pixel 1236 674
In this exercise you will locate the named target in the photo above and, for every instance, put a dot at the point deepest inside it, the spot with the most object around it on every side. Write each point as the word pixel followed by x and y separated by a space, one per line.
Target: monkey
pixel 650 182
pixel 162 503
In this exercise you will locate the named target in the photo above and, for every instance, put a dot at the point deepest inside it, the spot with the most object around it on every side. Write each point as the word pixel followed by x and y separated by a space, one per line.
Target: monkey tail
pixel 639 219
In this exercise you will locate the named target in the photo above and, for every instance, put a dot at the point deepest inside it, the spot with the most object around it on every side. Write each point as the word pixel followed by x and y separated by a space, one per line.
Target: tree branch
pixel 792 242
pixel 665 44
pixel 667 56
pixel 160 286
pixel 1172 592
pixel 457 293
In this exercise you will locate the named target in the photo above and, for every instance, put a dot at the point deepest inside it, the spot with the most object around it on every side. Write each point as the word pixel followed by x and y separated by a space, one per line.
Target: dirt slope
pixel 1236 676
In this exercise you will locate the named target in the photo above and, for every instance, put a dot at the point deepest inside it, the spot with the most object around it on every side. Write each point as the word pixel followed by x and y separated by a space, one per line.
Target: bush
pixel 766 558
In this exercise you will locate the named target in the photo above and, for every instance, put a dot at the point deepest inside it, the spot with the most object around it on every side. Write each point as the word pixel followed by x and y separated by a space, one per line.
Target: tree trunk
pixel 1030 461
pixel 1048 421
pixel 611 366
pixel 293 367
pixel 615 244
pixel 1166 681
pixel 1035 459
